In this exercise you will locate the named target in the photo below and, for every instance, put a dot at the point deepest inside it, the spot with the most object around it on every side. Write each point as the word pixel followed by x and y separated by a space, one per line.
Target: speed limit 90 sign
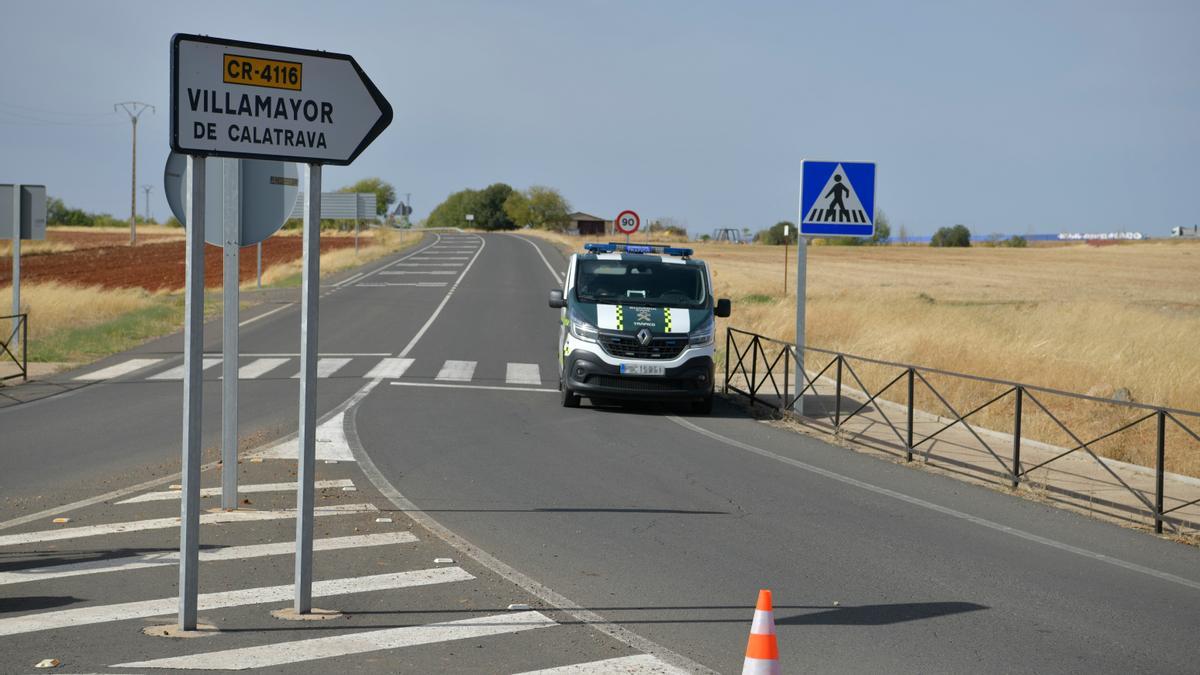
pixel 628 222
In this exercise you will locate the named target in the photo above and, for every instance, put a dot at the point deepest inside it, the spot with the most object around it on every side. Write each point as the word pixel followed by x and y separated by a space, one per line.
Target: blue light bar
pixel 600 248
pixel 682 252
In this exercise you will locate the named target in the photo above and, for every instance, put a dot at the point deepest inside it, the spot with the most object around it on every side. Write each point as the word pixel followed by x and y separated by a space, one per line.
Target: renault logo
pixel 643 337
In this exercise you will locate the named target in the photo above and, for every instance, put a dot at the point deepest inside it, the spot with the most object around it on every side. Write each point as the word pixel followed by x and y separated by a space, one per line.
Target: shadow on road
pixel 31 602
pixel 879 615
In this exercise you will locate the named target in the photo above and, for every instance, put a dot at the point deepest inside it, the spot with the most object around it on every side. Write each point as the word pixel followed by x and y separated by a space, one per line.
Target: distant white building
pixel 1185 231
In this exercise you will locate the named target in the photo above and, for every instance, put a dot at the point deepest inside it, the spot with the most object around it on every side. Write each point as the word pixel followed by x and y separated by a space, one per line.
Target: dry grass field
pixel 1078 318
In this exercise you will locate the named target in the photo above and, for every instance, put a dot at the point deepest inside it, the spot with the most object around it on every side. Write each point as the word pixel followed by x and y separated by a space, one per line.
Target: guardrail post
pixel 1016 467
pixel 837 396
pixel 753 368
pixel 909 447
pixel 1159 471
pixel 728 338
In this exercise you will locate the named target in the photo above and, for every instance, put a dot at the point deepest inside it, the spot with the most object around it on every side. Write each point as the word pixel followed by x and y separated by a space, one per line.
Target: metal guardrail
pixel 765 355
pixel 20 324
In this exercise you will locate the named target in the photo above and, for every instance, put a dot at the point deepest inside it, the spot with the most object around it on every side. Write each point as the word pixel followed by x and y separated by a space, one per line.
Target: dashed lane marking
pixel 641 664
pixel 167 495
pixel 283 653
pixel 419 284
pixel 144 560
pixel 163 523
pixel 117 370
pixel 82 616
pixel 405 272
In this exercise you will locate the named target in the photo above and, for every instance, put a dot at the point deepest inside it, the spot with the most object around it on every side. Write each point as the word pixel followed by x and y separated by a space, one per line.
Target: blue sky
pixel 1005 116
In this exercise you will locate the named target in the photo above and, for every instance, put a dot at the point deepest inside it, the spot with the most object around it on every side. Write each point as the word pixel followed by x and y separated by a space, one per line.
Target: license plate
pixel 642 369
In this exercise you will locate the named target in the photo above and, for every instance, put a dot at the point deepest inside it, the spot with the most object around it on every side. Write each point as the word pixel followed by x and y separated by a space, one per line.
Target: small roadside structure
pixel 587 224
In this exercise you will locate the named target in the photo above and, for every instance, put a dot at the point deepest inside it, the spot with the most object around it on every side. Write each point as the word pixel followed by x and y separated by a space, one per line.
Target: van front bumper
pixel 587 375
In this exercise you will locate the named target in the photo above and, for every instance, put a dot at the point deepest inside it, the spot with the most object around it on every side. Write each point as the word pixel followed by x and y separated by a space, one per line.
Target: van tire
pixel 569 398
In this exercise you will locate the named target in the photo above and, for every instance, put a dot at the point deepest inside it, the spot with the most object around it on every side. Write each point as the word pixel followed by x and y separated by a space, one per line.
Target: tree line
pixel 501 207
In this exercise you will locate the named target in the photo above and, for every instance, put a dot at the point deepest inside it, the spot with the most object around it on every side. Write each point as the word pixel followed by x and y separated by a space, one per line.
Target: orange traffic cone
pixel 762 652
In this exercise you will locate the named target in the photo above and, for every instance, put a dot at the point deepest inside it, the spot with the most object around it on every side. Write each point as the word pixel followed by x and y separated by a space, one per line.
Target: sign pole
pixel 16 261
pixel 801 274
pixel 785 258
pixel 193 342
pixel 260 264
pixel 308 389
pixel 231 205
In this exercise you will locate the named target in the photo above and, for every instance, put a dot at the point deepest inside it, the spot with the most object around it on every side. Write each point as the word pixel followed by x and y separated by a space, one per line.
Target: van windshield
pixel 629 282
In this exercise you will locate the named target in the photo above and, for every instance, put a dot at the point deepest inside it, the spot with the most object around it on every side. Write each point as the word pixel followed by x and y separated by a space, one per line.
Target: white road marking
pixel 523 373
pixel 389 369
pixel 402 272
pixel 557 277
pixel 264 315
pixel 265 656
pixel 470 386
pixel 991 525
pixel 168 495
pixel 457 371
pixel 444 256
pixel 430 264
pixel 442 305
pixel 164 523
pixel 144 560
pixel 326 367
pixel 641 664
pixel 82 616
pixel 259 367
pixel 331 443
pixel 348 280
pixel 176 373
pixel 419 284
pixel 117 370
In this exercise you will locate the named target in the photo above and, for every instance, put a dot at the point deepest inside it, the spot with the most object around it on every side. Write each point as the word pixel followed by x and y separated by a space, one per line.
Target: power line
pixel 134 109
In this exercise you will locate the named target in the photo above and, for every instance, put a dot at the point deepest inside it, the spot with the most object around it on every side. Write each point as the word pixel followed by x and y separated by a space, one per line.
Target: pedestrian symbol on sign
pixel 838 202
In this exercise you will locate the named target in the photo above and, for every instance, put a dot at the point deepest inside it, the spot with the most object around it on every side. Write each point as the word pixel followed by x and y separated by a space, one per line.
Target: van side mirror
pixel 723 308
pixel 556 299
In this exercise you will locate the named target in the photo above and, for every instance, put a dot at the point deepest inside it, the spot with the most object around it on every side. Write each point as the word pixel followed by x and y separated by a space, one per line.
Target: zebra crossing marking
pixel 389 369
pixel 117 370
pixel 142 609
pixel 430 264
pixel 167 495
pixel 326 367
pixel 640 664
pixel 419 284
pixel 402 272
pixel 176 373
pixel 146 560
pixel 523 373
pixel 163 523
pixel 457 371
pixel 259 367
pixel 296 651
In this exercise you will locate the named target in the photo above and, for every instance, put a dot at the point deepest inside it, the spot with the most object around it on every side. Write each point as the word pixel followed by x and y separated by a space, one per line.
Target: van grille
pixel 627 346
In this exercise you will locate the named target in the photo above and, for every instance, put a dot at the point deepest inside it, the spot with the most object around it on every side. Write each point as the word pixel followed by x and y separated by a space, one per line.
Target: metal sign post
pixel 193 343
pixel 16 261
pixel 837 199
pixel 785 258
pixel 255 101
pixel 306 464
pixel 231 207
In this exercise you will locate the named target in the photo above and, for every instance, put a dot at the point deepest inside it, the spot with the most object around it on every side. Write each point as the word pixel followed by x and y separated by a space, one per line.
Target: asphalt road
pixel 661 523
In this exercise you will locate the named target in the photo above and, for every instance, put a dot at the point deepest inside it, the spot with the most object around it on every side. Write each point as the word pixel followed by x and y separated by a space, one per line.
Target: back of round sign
pixel 268 194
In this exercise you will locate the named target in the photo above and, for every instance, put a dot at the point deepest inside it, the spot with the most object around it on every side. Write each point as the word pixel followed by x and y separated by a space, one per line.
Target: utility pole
pixel 146 189
pixel 134 109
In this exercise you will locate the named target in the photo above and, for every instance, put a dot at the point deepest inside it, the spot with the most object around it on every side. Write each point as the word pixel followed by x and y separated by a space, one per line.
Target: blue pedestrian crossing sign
pixel 837 199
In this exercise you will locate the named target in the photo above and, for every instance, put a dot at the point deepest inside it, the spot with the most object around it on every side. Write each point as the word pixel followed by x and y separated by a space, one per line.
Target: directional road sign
pixel 627 222
pixel 837 199
pixel 266 196
pixel 243 99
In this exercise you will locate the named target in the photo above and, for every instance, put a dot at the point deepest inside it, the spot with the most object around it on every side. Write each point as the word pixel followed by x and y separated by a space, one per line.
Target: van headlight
pixel 584 330
pixel 701 337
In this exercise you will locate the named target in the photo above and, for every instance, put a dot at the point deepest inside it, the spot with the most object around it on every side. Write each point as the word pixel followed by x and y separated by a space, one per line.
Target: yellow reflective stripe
pixel 667 318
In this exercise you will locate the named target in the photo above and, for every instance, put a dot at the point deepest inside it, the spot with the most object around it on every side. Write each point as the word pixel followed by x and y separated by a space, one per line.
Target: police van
pixel 638 323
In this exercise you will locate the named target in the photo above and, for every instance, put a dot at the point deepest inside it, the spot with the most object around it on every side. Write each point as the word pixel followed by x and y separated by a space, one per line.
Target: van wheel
pixel 569 398
pixel 703 406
